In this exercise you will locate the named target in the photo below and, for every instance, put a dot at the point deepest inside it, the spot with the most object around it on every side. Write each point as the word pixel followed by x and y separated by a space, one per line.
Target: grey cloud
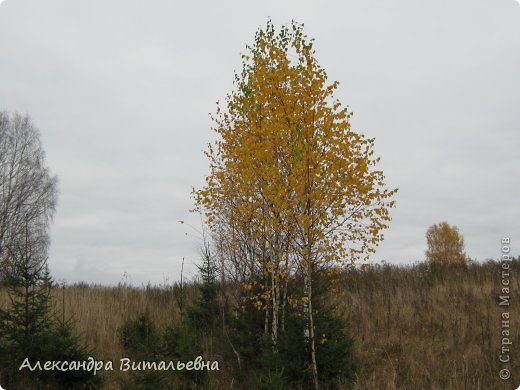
pixel 121 91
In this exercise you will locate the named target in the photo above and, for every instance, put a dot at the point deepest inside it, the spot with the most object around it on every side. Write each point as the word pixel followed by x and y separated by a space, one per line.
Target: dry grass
pixel 98 312
pixel 418 329
pixel 414 328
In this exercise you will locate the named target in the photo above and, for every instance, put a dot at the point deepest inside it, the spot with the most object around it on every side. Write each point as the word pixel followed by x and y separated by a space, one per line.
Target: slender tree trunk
pixel 267 312
pixel 311 330
pixel 309 316
pixel 284 303
pixel 274 297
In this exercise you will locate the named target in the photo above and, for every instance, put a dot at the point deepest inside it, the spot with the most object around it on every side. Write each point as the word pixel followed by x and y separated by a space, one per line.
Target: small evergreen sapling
pixel 28 329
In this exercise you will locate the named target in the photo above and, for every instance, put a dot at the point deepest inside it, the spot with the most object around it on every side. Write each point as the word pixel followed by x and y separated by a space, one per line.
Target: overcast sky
pixel 121 92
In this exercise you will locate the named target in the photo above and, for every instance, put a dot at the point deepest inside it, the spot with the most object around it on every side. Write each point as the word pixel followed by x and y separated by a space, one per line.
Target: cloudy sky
pixel 121 92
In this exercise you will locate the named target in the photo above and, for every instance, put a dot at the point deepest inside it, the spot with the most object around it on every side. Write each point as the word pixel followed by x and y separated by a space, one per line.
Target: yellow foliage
pixel 291 188
pixel 445 245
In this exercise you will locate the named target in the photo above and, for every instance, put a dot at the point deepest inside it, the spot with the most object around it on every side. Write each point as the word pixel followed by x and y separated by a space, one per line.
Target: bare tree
pixel 28 191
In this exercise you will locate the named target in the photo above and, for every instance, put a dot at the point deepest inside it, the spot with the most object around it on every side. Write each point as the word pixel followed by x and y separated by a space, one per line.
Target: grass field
pixel 414 327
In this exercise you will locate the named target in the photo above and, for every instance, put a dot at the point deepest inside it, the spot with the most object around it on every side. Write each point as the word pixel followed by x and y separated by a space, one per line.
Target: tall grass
pixel 422 328
pixel 415 327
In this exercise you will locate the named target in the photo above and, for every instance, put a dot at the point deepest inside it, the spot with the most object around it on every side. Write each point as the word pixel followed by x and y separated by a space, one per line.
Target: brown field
pixel 414 328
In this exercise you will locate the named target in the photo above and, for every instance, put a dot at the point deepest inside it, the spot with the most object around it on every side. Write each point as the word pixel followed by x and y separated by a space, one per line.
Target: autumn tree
pixel 28 191
pixel 445 245
pixel 292 189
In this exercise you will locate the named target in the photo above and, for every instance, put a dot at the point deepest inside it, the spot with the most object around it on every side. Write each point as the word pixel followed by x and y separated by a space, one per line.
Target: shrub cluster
pixel 29 330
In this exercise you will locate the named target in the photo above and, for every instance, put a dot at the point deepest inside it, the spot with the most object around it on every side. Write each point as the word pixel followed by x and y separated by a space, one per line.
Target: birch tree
pixel 293 188
pixel 28 191
pixel 445 245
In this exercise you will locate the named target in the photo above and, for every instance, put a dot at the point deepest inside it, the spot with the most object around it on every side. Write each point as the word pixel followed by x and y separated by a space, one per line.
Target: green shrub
pixel 28 331
pixel 140 338
pixel 286 364
pixel 177 342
